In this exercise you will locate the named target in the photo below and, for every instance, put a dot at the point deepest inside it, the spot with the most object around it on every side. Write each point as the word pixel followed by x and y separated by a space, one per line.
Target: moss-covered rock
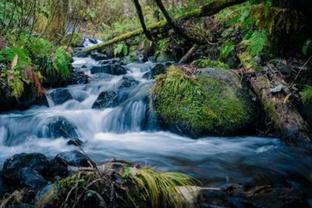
pixel 212 102
pixel 306 96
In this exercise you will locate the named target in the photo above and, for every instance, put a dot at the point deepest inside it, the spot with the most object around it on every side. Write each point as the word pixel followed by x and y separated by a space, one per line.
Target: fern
pixel 226 49
pixel 61 63
pixel 255 41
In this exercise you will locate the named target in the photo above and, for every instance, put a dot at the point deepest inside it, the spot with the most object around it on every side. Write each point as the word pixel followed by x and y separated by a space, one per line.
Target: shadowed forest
pixel 155 103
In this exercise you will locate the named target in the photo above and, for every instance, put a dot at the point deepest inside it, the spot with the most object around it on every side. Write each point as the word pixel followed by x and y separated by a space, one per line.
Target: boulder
pixel 107 99
pixel 156 70
pixel 98 56
pixel 60 96
pixel 74 158
pixel 212 102
pixel 113 69
pixel 27 99
pixel 59 127
pixel 77 77
pixel 127 82
pixel 75 142
pixel 4 187
pixel 25 170
pixel 31 178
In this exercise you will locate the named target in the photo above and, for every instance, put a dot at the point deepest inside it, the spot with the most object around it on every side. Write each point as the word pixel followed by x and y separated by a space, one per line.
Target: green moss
pixel 306 95
pixel 205 62
pixel 201 105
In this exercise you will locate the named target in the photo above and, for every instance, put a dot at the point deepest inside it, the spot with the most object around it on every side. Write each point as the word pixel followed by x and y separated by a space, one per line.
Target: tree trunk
pixel 275 98
pixel 206 10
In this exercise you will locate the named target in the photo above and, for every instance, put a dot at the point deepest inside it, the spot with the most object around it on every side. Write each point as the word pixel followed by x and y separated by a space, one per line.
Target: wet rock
pixel 60 96
pixel 98 56
pixel 78 78
pixel 212 102
pixel 107 99
pixel 127 82
pixel 59 127
pixel 156 70
pixel 45 197
pixel 25 170
pixel 74 158
pixel 4 187
pixel 75 142
pixel 30 178
pixel 43 101
pixel 28 98
pixel 113 69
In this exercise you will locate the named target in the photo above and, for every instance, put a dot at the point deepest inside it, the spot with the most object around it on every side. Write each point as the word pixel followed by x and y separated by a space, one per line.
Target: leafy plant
pixel 306 95
pixel 306 47
pixel 226 49
pixel 7 55
pixel 121 50
pixel 255 41
pixel 158 189
pixel 61 63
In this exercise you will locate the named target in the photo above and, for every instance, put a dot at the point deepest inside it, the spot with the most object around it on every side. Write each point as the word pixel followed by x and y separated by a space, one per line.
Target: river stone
pixel 113 69
pixel 156 70
pixel 25 170
pixel 74 158
pixel 127 82
pixel 212 102
pixel 107 99
pixel 60 96
pixel 98 56
pixel 30 178
pixel 4 187
pixel 60 127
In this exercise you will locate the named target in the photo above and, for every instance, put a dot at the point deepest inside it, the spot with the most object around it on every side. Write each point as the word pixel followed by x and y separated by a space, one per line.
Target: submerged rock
pixel 25 170
pixel 74 158
pixel 114 69
pixel 213 102
pixel 59 127
pixel 127 82
pixel 107 99
pixel 156 70
pixel 60 96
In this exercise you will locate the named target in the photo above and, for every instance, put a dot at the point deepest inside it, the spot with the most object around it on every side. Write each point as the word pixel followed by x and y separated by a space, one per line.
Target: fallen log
pixel 275 98
pixel 207 10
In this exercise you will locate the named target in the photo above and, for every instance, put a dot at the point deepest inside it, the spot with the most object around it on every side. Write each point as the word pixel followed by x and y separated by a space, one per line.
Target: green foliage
pixel 199 105
pixel 306 95
pixel 15 83
pixel 157 189
pixel 226 48
pixel 307 46
pixel 255 41
pixel 7 54
pixel 205 62
pixel 121 49
pixel 61 63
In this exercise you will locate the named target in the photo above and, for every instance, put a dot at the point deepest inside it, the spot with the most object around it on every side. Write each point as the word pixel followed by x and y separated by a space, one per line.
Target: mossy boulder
pixel 306 96
pixel 212 102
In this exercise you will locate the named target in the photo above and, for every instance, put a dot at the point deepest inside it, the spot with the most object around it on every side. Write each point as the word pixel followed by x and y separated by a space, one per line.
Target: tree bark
pixel 141 18
pixel 277 104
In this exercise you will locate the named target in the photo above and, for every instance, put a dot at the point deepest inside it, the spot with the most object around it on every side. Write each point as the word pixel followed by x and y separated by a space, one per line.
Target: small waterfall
pixel 129 130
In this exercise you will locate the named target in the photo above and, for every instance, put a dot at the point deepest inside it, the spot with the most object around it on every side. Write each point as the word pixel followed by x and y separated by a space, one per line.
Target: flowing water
pixel 130 131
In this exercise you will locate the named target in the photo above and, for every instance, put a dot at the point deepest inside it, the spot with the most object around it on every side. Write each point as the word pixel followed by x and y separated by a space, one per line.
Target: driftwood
pixel 206 10
pixel 276 100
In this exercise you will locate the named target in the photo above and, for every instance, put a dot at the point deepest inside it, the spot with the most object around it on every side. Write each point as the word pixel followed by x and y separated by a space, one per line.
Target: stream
pixel 130 131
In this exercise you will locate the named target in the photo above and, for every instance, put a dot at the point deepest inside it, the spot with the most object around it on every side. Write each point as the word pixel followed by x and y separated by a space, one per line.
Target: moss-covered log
pixel 276 101
pixel 206 10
